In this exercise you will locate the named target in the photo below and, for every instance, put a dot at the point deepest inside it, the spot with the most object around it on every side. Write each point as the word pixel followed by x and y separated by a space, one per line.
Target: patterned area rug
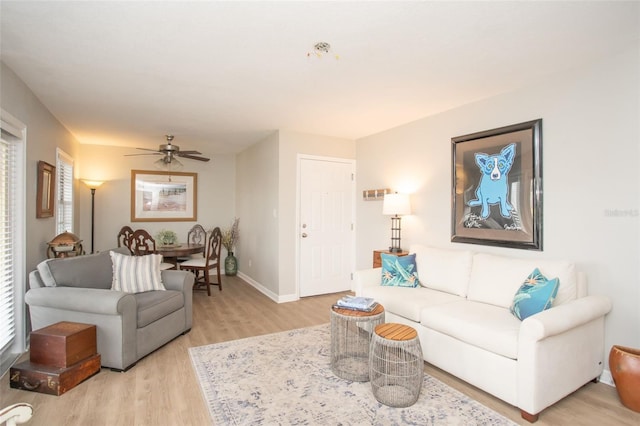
pixel 285 379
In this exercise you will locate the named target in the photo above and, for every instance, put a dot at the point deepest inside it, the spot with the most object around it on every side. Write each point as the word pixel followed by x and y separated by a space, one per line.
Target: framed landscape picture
pixel 163 196
pixel 497 187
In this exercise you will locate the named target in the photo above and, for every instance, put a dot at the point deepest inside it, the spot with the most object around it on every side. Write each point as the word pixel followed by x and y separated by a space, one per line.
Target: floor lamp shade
pixel 396 205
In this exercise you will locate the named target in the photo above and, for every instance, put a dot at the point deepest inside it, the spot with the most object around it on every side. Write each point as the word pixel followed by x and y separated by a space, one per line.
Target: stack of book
pixel 364 304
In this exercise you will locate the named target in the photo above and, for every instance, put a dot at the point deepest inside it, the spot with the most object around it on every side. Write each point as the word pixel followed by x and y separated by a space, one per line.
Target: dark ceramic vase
pixel 230 265
pixel 624 364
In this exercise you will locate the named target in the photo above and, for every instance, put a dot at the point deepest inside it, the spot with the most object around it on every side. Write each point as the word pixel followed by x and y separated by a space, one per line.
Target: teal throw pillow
pixel 535 295
pixel 399 271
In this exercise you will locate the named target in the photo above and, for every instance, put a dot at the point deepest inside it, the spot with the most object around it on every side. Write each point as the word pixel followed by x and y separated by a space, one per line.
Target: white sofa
pixel 461 312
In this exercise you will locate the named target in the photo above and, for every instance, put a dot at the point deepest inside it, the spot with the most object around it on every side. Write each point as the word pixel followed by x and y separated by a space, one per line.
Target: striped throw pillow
pixel 136 274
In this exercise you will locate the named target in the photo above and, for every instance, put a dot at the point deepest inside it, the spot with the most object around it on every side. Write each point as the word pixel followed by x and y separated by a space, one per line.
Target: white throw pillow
pixel 136 274
pixel 444 270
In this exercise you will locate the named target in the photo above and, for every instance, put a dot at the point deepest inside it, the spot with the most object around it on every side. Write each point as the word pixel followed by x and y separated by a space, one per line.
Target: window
pixel 12 241
pixel 64 192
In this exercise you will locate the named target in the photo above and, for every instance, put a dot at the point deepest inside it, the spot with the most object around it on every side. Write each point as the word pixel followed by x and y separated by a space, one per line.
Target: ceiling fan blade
pixel 147 149
pixel 190 152
pixel 192 157
pixel 150 153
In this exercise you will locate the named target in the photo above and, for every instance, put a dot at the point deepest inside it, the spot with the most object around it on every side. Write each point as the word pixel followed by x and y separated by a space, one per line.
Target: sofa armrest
pixel 366 278
pixel 559 350
pixel 560 319
pixel 89 300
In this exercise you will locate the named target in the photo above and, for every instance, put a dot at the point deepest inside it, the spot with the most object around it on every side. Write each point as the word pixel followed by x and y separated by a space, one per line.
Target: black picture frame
pixel 500 204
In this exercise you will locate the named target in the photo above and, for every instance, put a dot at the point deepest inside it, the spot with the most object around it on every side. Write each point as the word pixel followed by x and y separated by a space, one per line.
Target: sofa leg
pixel 531 418
pixel 596 380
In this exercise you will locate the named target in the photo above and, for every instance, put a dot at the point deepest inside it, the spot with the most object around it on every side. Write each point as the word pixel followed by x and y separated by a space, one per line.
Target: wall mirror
pixel 46 189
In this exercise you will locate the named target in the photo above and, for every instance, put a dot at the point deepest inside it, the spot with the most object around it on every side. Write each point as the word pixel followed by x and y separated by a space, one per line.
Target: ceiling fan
pixel 169 153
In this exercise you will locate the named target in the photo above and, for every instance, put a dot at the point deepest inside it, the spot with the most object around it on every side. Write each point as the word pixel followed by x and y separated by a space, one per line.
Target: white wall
pixel 591 156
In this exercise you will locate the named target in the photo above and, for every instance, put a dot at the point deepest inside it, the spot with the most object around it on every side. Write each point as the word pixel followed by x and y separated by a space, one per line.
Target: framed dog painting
pixel 497 187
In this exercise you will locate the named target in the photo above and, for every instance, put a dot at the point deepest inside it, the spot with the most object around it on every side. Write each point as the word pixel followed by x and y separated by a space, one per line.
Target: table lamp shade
pixel 396 204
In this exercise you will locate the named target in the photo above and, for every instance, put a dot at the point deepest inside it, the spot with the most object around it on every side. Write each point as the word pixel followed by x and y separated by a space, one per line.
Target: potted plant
pixel 229 239
pixel 166 237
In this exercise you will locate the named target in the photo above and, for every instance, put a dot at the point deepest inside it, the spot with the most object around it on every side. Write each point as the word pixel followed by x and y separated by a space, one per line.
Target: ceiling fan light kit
pixel 168 163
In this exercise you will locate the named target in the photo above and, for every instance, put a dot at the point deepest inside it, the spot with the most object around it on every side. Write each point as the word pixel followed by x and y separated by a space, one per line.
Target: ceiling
pixel 221 76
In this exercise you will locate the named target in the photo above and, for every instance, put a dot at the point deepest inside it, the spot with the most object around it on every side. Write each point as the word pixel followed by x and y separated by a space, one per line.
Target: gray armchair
pixel 129 326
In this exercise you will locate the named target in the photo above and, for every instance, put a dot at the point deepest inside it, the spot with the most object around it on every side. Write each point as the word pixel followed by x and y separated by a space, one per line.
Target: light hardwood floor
pixel 162 389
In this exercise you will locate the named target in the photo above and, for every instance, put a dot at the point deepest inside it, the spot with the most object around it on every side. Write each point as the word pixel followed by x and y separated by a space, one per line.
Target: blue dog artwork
pixel 493 187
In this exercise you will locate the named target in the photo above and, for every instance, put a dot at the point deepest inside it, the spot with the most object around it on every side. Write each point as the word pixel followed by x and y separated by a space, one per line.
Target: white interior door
pixel 326 235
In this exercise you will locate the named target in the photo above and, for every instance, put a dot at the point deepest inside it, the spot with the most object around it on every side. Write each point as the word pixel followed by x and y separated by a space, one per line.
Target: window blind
pixel 64 208
pixel 7 225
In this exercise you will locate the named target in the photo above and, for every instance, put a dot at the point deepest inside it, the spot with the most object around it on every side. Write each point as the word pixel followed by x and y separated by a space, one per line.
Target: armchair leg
pixel 531 418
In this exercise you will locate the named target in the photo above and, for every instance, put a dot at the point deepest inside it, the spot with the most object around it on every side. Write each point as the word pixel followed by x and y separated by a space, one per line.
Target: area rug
pixel 285 379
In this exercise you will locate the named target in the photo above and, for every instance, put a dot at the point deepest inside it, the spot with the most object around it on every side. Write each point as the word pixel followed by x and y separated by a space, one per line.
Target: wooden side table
pixel 377 259
pixel 350 339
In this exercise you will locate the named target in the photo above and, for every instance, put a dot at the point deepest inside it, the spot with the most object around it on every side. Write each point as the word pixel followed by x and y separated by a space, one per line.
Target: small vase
pixel 230 264
pixel 624 364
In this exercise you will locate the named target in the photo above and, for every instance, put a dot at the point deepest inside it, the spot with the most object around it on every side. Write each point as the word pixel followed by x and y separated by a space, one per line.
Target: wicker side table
pixel 350 340
pixel 396 365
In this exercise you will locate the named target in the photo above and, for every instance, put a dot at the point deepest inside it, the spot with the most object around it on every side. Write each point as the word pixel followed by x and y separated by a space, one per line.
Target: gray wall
pixel 44 135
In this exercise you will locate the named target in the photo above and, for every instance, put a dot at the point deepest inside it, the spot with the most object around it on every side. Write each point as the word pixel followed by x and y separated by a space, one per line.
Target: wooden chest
pixel 50 379
pixel 63 344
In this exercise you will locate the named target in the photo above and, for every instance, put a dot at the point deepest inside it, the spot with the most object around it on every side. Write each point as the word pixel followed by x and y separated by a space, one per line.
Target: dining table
pixel 172 252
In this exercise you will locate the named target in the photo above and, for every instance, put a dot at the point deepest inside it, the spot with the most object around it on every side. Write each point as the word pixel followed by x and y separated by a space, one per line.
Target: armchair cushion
pixel 136 274
pixel 153 305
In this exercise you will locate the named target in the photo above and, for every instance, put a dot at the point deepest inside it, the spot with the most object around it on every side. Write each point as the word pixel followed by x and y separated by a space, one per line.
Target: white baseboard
pixel 606 378
pixel 262 289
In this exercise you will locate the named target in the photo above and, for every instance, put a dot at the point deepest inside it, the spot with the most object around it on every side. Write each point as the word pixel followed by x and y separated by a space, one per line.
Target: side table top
pixel 394 331
pixel 353 313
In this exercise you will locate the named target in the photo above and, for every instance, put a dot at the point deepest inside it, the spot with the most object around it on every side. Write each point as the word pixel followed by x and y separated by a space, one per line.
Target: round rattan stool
pixel 396 367
pixel 350 340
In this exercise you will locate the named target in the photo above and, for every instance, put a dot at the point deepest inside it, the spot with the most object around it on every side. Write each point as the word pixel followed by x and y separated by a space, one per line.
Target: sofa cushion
pixel 399 271
pixel 136 274
pixel 534 295
pixel 445 270
pixel 407 301
pixel 90 271
pixel 479 324
pixel 153 305
pixel 495 279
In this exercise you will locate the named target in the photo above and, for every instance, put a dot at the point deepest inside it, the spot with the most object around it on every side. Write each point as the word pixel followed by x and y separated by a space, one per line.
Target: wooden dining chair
pixel 206 264
pixel 124 237
pixel 142 243
pixel 196 235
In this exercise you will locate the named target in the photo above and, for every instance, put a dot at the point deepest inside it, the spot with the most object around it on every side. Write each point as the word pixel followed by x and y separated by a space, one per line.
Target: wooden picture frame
pixel 163 196
pixel 497 187
pixel 46 190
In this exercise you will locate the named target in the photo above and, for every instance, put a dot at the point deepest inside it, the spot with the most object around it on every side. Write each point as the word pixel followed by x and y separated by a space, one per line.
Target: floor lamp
pixel 93 185
pixel 396 205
